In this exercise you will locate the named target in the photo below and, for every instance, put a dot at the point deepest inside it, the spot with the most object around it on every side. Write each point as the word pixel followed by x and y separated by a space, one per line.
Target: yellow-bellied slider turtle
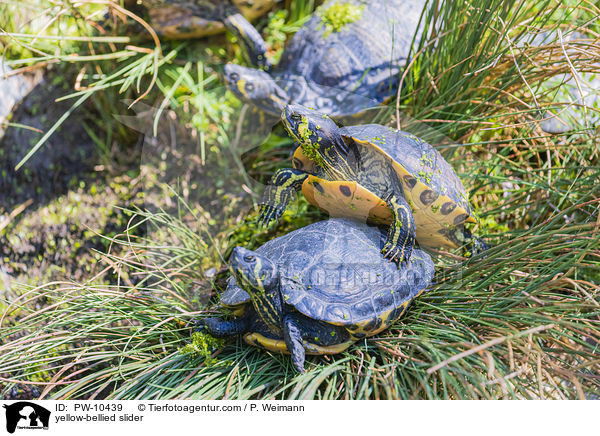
pixel 182 19
pixel 345 59
pixel 375 173
pixel 318 289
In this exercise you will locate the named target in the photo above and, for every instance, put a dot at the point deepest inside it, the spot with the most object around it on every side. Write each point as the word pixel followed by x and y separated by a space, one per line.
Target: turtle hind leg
pixel 283 186
pixel 461 237
pixel 473 244
pixel 401 233
pixel 293 340
pixel 302 334
pixel 220 328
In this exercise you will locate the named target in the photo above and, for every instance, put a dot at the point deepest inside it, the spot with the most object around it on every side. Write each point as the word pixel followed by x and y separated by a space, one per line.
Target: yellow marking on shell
pixel 386 321
pixel 279 346
pixel 275 345
pixel 170 20
pixel 420 292
pixel 315 349
pixel 362 204
pixel 239 311
pixel 253 9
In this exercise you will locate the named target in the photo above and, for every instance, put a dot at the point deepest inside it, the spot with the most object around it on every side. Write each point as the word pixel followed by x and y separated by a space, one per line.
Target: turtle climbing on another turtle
pixel 318 289
pixel 183 19
pixel 375 173
pixel 344 60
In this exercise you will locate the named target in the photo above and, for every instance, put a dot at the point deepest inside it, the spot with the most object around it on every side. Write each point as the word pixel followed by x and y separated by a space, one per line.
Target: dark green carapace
pixel 318 289
pixel 346 58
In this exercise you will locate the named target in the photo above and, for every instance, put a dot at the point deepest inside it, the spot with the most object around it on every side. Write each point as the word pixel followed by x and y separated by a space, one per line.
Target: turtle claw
pixel 268 214
pixel 200 325
pixel 394 254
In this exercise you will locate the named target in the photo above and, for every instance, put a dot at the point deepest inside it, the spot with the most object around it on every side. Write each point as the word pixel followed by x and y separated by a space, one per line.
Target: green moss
pixel 203 345
pixel 424 177
pixel 338 15
pixel 426 159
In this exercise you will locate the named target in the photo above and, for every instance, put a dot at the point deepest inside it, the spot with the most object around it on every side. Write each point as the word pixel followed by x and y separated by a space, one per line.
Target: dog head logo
pixel 26 415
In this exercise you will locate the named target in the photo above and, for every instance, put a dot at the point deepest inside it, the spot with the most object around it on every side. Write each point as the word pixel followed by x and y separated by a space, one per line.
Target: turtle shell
pixel 431 186
pixel 333 271
pixel 171 18
pixel 352 58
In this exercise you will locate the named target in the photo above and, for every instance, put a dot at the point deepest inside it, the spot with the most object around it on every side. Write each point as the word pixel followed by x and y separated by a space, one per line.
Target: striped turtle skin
pixel 342 68
pixel 331 281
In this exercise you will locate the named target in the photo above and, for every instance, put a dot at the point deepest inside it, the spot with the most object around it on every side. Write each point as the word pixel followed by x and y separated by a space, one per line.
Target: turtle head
pixel 320 139
pixel 259 277
pixel 256 87
pixel 253 272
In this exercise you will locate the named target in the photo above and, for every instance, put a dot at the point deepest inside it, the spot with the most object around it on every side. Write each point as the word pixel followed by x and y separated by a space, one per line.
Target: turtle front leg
pixel 255 45
pixel 401 233
pixel 302 333
pixel 284 184
pixel 220 328
pixel 292 334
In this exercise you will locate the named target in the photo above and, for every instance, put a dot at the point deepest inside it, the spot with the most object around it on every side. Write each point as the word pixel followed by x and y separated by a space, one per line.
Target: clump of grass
pixel 479 65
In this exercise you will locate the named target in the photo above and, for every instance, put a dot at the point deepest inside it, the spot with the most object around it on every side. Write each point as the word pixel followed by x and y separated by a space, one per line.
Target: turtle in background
pixel 318 289
pixel 183 19
pixel 374 173
pixel 345 59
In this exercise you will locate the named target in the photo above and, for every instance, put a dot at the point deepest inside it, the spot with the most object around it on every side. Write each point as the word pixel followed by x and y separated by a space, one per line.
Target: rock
pixel 570 113
pixel 64 159
pixel 573 115
pixel 13 88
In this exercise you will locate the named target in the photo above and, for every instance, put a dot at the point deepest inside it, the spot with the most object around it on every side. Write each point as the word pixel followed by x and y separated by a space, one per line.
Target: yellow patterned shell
pixel 432 188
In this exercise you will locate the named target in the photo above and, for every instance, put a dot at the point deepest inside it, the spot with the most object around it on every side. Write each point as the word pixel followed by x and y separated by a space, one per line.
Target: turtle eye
pixel 296 117
pixel 249 87
pixel 249 258
pixel 234 76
